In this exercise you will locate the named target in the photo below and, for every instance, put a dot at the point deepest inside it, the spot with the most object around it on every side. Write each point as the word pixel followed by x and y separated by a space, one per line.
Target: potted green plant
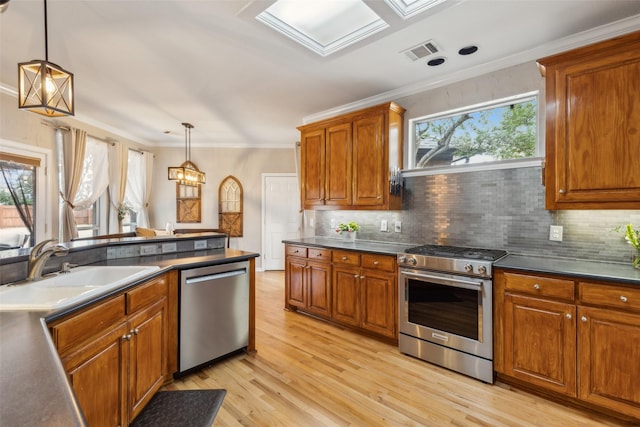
pixel 348 231
pixel 632 236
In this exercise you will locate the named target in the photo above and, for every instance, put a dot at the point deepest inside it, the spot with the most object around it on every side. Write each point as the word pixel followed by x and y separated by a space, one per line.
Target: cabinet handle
pixel 134 331
pixel 623 298
pixel 568 316
pixel 362 277
pixel 583 318
pixel 378 197
pixel 308 267
pixel 561 191
pixel 375 263
pixel 297 251
pixel 126 337
pixel 344 258
pixel 355 276
pixel 536 286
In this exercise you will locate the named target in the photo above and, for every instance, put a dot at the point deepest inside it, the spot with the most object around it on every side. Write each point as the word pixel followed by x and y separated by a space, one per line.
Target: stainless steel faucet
pixel 39 256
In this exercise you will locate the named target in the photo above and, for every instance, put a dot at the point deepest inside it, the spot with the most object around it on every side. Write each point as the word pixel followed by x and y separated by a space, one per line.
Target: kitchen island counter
pixel 382 248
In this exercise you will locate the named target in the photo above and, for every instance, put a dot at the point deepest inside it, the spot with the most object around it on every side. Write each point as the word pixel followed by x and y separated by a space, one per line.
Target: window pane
pixel 501 131
pixel 14 233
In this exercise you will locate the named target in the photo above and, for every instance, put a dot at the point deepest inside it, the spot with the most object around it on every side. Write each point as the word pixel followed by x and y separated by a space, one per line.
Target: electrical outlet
pixel 398 227
pixel 333 223
pixel 383 225
pixel 169 247
pixel 555 233
pixel 148 250
pixel 200 244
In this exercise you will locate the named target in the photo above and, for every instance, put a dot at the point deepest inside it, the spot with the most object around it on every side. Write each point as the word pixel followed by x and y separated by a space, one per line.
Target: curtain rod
pixel 55 126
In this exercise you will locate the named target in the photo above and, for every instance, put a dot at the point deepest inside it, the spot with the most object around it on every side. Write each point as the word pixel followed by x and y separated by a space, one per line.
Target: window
pixel 502 130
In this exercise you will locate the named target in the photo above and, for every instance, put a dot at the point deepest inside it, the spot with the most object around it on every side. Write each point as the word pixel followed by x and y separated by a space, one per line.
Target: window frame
pixel 536 160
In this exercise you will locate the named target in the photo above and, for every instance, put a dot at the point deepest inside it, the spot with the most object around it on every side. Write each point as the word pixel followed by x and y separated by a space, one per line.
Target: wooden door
pixel 97 372
pixel 369 160
pixel 379 303
pixel 346 295
pixel 609 359
pixel 295 288
pixel 338 165
pixel 319 288
pixel 147 356
pixel 540 342
pixel 312 161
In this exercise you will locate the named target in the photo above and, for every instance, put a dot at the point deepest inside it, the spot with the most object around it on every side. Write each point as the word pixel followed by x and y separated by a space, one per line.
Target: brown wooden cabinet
pixel 308 280
pixel 593 126
pixel 116 351
pixel 346 161
pixel 577 338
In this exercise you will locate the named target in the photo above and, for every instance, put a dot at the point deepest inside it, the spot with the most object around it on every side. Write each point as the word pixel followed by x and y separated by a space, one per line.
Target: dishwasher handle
pixel 216 276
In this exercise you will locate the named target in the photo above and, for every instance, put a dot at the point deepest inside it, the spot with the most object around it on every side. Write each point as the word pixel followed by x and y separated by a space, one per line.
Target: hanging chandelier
pixel 187 173
pixel 43 87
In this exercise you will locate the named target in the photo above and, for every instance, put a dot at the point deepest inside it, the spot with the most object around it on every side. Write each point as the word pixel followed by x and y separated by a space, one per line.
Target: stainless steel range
pixel 445 307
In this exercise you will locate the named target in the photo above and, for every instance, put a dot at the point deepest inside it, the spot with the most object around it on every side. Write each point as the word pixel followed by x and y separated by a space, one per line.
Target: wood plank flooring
pixel 309 373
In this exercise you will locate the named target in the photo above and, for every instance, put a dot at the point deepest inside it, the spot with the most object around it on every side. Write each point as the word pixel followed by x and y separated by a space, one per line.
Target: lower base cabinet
pixel 115 352
pixel 576 338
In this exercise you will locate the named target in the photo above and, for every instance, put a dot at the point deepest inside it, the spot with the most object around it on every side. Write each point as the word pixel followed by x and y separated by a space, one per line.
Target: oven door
pixel 448 310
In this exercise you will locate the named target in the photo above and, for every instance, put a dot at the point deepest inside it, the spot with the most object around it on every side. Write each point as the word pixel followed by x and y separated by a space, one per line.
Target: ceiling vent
pixel 422 50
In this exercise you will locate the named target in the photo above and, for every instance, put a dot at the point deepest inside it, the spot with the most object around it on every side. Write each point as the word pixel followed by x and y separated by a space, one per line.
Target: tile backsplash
pixel 498 209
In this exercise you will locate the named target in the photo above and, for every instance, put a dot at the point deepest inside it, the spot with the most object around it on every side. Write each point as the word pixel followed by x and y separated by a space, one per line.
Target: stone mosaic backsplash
pixel 497 209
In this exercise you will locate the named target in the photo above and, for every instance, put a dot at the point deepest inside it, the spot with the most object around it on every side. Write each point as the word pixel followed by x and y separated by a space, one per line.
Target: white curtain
pixel 95 174
pixel 138 185
pixel 143 215
pixel 118 160
pixel 73 148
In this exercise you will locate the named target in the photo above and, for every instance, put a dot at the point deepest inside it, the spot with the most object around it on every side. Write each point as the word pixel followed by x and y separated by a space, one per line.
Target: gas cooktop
pixel 457 252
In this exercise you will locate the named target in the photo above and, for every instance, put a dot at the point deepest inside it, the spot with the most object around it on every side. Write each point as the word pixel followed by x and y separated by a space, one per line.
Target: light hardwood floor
pixel 309 373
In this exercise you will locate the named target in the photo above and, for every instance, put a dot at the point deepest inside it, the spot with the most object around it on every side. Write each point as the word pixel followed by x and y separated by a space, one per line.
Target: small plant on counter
pixel 632 236
pixel 348 228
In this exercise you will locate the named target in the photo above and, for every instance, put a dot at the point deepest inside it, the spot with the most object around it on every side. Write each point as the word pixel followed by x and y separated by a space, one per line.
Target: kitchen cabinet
pixel 593 126
pixel 364 292
pixel 116 351
pixel 308 280
pixel 577 338
pixel 346 161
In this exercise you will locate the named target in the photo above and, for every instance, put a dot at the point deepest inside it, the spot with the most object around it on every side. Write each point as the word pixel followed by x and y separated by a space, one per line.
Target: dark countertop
pixel 586 269
pixel 33 385
pixel 359 245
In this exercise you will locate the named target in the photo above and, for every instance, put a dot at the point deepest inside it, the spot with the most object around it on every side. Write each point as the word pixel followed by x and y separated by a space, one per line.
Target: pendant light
pixel 44 87
pixel 187 173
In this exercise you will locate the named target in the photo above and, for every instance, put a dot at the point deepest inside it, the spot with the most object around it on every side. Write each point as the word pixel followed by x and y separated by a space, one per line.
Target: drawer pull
pixel 344 258
pixel 536 286
pixel 362 277
pixel 355 276
pixel 134 331
pixel 126 337
pixel 583 318
pixel 376 262
pixel 568 316
pixel 623 298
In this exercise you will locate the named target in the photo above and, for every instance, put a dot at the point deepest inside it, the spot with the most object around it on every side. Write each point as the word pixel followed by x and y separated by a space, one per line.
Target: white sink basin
pixel 66 289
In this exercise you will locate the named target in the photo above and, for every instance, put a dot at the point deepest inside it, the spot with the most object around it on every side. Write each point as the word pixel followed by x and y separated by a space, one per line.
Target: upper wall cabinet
pixel 347 161
pixel 593 126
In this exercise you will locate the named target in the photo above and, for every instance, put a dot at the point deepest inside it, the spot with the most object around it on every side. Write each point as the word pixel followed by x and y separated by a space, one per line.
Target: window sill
pixel 487 166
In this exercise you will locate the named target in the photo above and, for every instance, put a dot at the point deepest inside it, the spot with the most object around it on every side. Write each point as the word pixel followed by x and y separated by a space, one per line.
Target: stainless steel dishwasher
pixel 214 313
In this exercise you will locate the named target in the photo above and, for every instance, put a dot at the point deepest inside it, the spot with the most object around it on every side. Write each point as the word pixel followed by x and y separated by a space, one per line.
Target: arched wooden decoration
pixel 188 199
pixel 230 206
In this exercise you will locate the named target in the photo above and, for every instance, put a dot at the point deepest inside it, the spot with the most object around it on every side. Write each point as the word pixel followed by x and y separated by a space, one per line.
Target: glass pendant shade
pixel 187 173
pixel 45 88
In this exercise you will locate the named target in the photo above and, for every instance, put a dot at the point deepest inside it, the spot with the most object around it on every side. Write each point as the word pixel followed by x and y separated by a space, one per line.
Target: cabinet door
pixel 147 355
pixel 369 160
pixel 295 288
pixel 346 295
pixel 609 359
pixel 319 288
pixel 378 302
pixel 593 131
pixel 97 372
pixel 540 342
pixel 338 165
pixel 312 156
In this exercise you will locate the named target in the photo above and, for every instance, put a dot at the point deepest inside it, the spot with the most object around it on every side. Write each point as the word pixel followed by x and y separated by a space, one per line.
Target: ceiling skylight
pixel 408 8
pixel 323 26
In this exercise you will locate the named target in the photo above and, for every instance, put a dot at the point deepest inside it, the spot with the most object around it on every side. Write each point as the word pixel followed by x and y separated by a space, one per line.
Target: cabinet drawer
pixel 378 262
pixel 296 251
pixel 346 257
pixel 319 254
pixel 146 294
pixel 540 286
pixel 77 328
pixel 610 296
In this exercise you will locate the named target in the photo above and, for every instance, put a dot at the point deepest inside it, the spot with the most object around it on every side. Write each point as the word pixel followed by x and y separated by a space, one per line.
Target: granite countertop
pixel 33 384
pixel 587 269
pixel 358 245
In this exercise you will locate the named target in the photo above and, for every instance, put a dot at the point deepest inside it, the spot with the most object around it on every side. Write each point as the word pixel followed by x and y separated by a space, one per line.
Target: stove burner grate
pixel 457 252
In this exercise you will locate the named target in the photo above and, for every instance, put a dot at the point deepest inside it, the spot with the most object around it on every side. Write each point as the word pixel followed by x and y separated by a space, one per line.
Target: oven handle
pixel 449 282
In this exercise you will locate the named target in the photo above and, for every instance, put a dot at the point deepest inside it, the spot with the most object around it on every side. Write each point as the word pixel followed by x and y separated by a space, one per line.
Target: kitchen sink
pixel 65 289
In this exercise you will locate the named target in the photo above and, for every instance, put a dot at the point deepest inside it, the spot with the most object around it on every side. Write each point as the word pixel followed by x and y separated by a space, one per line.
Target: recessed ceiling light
pixel 436 61
pixel 468 50
pixel 323 26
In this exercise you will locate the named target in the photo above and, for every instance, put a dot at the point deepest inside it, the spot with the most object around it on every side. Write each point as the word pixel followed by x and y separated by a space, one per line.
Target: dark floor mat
pixel 181 408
